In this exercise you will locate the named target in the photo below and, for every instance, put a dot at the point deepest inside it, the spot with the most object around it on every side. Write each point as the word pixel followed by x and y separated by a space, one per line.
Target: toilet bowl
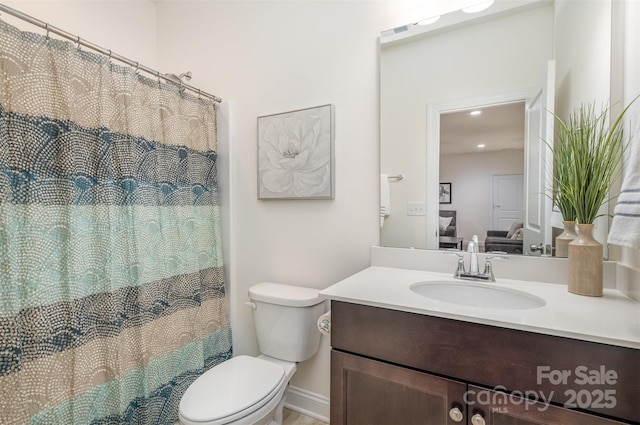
pixel 246 390
pixel 249 390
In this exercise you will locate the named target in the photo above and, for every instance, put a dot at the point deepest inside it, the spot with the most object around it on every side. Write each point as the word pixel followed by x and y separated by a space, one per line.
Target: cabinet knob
pixel 456 414
pixel 477 419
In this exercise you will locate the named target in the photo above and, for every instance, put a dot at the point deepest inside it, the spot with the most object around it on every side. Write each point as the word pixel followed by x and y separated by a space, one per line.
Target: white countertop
pixel 612 319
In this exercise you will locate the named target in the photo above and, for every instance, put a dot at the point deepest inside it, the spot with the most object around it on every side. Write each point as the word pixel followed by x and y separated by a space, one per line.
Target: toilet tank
pixel 285 319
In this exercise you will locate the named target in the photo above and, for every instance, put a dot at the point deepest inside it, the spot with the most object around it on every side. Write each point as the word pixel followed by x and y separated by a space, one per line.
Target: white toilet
pixel 250 390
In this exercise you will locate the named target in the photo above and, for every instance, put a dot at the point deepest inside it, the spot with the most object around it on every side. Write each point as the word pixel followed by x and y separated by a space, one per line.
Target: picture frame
pixel 445 193
pixel 296 154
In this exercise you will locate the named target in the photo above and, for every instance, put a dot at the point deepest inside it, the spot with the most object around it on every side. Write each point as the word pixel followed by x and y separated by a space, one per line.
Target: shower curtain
pixel 112 295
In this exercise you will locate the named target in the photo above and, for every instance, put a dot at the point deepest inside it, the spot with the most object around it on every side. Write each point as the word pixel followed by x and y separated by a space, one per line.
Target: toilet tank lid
pixel 289 295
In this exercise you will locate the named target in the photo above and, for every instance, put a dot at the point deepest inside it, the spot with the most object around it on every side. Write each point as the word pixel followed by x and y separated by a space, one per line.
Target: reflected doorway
pixel 481 154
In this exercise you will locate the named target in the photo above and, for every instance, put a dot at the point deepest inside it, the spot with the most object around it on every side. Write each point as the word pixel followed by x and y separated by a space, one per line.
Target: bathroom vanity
pixel 402 358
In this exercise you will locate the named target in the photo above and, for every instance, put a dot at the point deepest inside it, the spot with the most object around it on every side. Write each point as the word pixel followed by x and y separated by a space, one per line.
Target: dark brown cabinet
pixel 373 392
pixel 395 368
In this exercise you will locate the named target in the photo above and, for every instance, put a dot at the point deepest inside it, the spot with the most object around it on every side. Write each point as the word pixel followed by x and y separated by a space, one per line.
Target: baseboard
pixel 307 403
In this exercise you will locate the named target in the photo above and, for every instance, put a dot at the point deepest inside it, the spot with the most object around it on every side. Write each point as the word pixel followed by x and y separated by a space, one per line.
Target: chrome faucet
pixel 474 273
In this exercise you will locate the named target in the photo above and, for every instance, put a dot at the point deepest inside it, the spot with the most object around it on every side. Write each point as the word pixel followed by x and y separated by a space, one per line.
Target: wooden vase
pixel 563 239
pixel 585 263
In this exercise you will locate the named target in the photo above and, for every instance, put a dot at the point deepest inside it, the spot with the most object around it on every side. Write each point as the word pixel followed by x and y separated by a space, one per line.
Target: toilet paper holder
pixel 324 323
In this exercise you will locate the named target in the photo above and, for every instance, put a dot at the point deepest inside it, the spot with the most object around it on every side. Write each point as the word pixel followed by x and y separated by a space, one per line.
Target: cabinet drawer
pixel 494 357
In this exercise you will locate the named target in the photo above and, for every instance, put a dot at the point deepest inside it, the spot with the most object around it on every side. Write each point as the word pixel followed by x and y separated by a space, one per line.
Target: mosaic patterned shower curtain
pixel 112 297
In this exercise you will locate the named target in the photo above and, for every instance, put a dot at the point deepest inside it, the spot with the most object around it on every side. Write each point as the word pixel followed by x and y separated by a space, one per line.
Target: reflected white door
pixel 508 202
pixel 539 122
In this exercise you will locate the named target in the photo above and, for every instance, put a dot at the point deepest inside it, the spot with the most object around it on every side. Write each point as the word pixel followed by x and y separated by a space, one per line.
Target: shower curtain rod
pixel 102 50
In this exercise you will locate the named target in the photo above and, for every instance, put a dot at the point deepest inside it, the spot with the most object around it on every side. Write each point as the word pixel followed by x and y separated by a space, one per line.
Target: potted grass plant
pixel 587 159
pixel 562 172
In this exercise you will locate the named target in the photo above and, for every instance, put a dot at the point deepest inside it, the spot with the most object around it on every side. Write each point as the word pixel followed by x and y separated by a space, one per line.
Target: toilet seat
pixel 231 390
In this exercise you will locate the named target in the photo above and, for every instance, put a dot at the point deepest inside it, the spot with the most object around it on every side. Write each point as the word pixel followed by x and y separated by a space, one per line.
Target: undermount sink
pixel 477 295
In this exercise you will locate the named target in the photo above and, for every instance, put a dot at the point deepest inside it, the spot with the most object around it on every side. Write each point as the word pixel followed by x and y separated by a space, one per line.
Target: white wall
pixel 583 53
pixel 495 56
pixel 126 27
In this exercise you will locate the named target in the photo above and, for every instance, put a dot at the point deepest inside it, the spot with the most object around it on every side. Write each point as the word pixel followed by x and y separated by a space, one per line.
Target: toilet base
pixel 276 416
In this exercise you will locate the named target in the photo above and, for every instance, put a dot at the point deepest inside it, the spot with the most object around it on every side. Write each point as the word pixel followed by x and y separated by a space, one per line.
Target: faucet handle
pixel 460 270
pixel 488 267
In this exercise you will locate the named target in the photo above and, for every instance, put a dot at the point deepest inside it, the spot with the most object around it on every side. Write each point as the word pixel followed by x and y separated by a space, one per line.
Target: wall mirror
pixel 502 64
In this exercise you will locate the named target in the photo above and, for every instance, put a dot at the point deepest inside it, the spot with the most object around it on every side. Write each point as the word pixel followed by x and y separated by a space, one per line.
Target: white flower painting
pixel 295 154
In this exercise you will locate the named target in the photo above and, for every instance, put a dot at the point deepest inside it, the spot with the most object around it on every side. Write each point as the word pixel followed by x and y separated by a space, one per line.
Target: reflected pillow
pixel 517 235
pixel 444 223
pixel 514 228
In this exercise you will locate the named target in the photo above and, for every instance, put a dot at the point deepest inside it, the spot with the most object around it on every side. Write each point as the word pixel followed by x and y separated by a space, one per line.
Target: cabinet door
pixel 497 408
pixel 370 392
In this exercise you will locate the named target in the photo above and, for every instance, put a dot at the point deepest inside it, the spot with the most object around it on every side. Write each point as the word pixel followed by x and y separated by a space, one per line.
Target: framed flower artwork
pixel 295 154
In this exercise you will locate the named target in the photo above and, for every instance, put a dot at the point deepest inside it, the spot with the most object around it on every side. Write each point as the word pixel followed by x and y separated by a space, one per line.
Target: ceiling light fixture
pixel 481 145
pixel 476 112
pixel 478 7
pixel 428 21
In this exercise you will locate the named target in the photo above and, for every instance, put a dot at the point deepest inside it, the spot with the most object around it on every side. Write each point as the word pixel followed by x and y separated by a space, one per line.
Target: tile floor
pixel 294 418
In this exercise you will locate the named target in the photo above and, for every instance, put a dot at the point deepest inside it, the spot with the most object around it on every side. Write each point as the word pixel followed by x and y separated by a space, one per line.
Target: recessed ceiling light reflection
pixel 475 113
pixel 481 145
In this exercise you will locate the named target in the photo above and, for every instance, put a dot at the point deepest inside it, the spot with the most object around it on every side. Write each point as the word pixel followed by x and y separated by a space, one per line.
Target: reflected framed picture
pixel 295 154
pixel 445 193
